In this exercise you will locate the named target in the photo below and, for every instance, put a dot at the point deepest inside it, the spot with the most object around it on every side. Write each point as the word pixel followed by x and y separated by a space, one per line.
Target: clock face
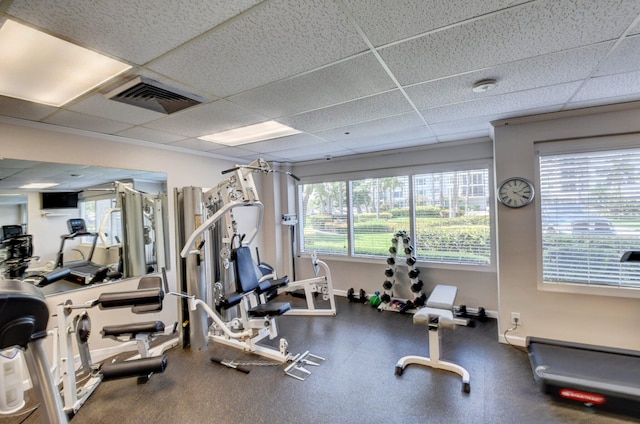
pixel 515 192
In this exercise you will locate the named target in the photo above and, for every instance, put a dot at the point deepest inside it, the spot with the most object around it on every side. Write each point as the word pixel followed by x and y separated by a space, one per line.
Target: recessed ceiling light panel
pixel 39 185
pixel 250 134
pixel 40 68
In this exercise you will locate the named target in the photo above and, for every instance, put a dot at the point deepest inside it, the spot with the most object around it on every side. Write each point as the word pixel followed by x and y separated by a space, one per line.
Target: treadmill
pixel 82 271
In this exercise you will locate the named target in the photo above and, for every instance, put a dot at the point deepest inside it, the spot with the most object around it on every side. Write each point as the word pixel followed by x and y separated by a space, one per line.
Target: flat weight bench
pixel 437 313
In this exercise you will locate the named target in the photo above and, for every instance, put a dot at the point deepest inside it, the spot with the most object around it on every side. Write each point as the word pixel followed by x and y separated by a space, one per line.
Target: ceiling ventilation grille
pixel 149 94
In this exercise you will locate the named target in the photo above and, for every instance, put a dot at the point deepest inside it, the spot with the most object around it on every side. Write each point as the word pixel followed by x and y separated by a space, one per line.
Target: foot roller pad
pixel 134 368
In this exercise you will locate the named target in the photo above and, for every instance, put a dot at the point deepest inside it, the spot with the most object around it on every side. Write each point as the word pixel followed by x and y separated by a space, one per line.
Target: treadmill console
pixel 76 226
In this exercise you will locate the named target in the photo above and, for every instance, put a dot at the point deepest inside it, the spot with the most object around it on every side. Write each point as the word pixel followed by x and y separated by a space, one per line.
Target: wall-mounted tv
pixel 59 200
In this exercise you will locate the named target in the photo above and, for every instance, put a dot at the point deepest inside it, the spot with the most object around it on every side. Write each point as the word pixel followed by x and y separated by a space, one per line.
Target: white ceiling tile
pixel 397 137
pixel 81 121
pixel 23 109
pixel 98 105
pixel 624 58
pixel 283 143
pixel 195 144
pixel 369 108
pixel 347 80
pixel 387 125
pixel 609 86
pixel 235 152
pixel 600 102
pixel 385 21
pixel 207 119
pixel 532 29
pixel 396 145
pixel 513 103
pixel 137 31
pixel 147 134
pixel 279 39
pixel 478 124
pixel 467 135
pixel 526 74
pixel 316 150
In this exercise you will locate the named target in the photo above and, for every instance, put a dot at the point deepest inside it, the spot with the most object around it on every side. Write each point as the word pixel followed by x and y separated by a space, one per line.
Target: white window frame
pixel 410 172
pixel 585 145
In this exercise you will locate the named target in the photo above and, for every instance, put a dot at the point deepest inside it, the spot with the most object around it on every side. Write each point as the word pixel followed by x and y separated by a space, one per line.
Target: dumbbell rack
pixel 389 302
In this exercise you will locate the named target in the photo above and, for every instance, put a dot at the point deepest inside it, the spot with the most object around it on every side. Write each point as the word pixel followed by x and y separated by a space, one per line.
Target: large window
pixel 445 213
pixel 100 216
pixel 379 208
pixel 452 217
pixel 324 217
pixel 590 215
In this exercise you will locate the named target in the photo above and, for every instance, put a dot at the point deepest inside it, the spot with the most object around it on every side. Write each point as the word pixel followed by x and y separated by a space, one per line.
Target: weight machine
pixel 210 274
pixel 23 324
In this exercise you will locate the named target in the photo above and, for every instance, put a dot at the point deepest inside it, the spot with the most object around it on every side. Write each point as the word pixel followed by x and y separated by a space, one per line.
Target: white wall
pixel 10 215
pixel 475 288
pixel 600 320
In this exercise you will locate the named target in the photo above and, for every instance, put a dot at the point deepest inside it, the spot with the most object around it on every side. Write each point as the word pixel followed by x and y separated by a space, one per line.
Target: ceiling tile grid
pixel 86 122
pixel 281 39
pixel 387 21
pixel 137 31
pixel 376 127
pixel 98 105
pixel 625 58
pixel 552 97
pixel 361 110
pixel 356 76
pixel 347 80
pixel 358 143
pixel 525 74
pixel 533 29
pixel 23 109
pixel 207 119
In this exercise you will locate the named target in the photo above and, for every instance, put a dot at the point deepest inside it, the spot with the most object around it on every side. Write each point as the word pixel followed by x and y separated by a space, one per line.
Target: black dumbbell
pixel 388 272
pixel 417 286
pixel 387 285
pixel 414 273
pixel 419 301
pixel 411 261
pixel 391 261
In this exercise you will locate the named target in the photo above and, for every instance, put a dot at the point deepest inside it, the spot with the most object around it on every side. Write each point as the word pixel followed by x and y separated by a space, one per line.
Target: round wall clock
pixel 515 192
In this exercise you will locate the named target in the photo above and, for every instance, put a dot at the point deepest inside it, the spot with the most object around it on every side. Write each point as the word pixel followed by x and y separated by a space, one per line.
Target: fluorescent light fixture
pixel 39 185
pixel 40 68
pixel 252 133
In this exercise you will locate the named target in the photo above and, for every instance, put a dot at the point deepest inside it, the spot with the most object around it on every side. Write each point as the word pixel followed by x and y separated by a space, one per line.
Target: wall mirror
pixel 124 213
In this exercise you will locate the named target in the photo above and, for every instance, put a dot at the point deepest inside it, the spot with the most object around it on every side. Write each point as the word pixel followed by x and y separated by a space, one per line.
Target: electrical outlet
pixel 515 318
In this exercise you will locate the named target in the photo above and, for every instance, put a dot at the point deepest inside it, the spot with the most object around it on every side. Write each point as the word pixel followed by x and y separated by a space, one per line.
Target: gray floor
pixel 356 383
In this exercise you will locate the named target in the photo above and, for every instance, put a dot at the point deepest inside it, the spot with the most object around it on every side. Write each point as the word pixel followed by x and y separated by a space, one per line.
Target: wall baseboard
pixel 472 311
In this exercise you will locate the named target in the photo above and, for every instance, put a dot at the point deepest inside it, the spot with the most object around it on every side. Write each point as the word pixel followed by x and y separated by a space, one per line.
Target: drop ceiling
pixel 355 76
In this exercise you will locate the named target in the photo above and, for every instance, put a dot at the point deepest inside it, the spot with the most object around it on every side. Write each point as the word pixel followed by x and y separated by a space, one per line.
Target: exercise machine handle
pixel 130 298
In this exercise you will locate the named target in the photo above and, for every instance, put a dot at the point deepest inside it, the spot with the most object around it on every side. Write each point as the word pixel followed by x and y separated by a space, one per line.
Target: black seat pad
pixel 269 285
pixel 269 309
pixel 133 328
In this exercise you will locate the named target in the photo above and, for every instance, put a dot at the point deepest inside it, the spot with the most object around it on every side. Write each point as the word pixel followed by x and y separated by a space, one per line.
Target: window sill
pixel 400 262
pixel 575 288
